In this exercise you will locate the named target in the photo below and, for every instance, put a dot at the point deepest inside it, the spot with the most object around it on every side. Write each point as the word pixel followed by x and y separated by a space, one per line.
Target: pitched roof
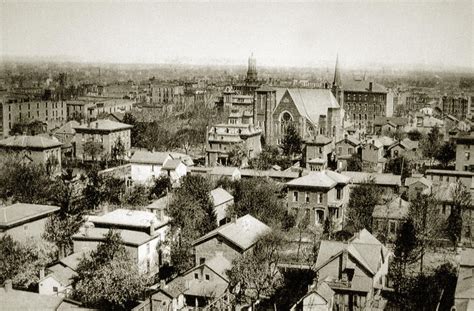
pixel 171 164
pixel 223 170
pixel 319 140
pixel 104 125
pixel 62 274
pixel 351 140
pixel 385 140
pixel 467 257
pixel 312 103
pixel 125 217
pixel 395 209
pixel 362 86
pixel 396 121
pixel 72 261
pixel 67 128
pixel 220 196
pixel 26 142
pixel 13 299
pixel 321 179
pixel 380 178
pixel 130 237
pixel 19 213
pixel 149 157
pixel 443 192
pixel 243 232
pixel 269 173
pixel 411 180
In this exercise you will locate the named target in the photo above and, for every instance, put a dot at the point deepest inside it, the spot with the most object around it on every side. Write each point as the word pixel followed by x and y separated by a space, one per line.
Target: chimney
pixel 96 124
pixel 152 227
pixel 8 285
pixel 162 284
pixel 234 219
pixel 41 273
pixel 370 86
pixel 345 136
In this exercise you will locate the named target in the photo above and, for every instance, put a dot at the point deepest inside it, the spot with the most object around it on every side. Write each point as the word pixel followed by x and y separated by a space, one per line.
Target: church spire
pixel 337 75
pixel 252 69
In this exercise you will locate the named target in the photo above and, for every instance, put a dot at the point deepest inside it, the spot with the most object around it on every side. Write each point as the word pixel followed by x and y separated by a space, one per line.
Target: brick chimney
pixel 370 86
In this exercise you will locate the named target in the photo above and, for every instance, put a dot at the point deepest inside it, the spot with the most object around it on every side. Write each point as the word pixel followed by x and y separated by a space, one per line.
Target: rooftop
pixel 26 142
pixel 319 140
pixel 395 209
pixel 129 237
pixel 322 179
pixel 362 86
pixel 103 125
pixel 171 164
pixel 125 217
pixel 243 232
pixel 220 196
pixel 149 157
pixel 380 178
pixel 19 213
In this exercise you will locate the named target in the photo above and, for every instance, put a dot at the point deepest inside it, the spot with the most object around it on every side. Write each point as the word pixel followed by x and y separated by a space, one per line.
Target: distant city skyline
pixel 308 34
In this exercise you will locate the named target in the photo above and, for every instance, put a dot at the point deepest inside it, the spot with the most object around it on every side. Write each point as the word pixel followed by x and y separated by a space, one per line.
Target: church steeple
pixel 252 69
pixel 337 75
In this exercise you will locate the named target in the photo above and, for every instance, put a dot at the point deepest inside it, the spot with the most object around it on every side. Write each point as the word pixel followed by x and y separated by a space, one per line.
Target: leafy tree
pixel 24 182
pixel 396 165
pixel 33 127
pixel 189 138
pixel 446 153
pixel 93 149
pixel 92 193
pixel 254 275
pixel 118 150
pixel 423 212
pixel 161 186
pixel 362 201
pixel 266 159
pixel 461 202
pixel 292 144
pixel 109 278
pixel 192 212
pixel 259 197
pixel 406 244
pixel 354 163
pixel 21 262
pixel 137 197
pixel 415 135
pixel 61 226
pixel 237 155
pixel 431 143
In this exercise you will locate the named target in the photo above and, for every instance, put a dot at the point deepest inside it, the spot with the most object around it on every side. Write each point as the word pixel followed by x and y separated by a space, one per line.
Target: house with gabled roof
pixel 320 297
pixel 231 240
pixel 147 165
pixel 222 201
pixel 318 196
pixel 311 111
pixel 416 184
pixel 355 270
pixel 195 288
pixel 388 218
pixel 317 151
pixel 57 279
pixel 345 149
pixel 406 147
pixel 24 221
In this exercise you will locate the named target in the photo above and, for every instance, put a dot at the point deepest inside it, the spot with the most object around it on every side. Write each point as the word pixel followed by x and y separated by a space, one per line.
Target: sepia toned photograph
pixel 219 155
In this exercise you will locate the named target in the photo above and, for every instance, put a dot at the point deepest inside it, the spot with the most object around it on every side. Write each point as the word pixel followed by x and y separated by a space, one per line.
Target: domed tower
pixel 252 69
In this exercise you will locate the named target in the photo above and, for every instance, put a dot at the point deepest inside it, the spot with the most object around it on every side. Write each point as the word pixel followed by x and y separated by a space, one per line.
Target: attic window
pixel 196 276
pixel 208 277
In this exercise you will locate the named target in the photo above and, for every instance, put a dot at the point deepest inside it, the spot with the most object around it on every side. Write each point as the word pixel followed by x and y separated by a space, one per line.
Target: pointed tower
pixel 337 83
pixel 252 69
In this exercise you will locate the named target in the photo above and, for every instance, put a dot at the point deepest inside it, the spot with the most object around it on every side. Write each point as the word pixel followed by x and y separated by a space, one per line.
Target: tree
pixel 406 244
pixel 61 226
pixel 292 144
pixel 362 201
pixel 188 138
pixel 237 155
pixel 33 127
pixel 136 197
pixel 354 163
pixel 266 159
pixel 423 212
pixel 21 262
pixel 431 143
pixel 24 182
pixel 446 153
pixel 415 135
pixel 118 150
pixel 109 277
pixel 399 166
pixel 93 149
pixel 461 202
pixel 254 275
pixel 161 186
pixel 259 197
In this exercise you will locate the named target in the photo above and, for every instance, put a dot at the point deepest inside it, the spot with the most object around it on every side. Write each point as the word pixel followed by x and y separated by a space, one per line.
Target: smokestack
pixel 370 86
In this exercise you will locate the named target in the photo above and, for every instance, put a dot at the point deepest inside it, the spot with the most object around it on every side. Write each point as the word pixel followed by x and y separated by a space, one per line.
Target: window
pixel 393 227
pixel 319 197
pixel 207 277
pixel 339 150
pixel 148 248
pixel 55 289
pixel 196 276
pixel 306 197
pixel 339 193
pixel 467 155
pixel 295 196
pixel 202 260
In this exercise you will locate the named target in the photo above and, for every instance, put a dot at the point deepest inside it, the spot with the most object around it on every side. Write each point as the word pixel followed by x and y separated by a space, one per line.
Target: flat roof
pixel 20 213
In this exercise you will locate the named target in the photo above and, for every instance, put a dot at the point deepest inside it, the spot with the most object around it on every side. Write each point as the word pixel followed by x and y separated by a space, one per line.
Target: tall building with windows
pixel 18 110
pixel 464 153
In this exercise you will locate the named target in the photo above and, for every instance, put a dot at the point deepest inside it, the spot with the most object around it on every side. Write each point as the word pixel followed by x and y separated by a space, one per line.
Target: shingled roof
pixel 19 213
pixel 320 179
pixel 29 142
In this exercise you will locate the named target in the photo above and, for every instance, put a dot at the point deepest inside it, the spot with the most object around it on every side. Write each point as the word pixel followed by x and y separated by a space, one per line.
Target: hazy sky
pixel 289 34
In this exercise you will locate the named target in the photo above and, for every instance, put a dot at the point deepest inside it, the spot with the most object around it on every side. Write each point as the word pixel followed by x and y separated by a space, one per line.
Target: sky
pixel 293 33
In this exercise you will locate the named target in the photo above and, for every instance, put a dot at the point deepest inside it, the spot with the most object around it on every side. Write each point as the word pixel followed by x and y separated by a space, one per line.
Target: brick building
pixel 456 106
